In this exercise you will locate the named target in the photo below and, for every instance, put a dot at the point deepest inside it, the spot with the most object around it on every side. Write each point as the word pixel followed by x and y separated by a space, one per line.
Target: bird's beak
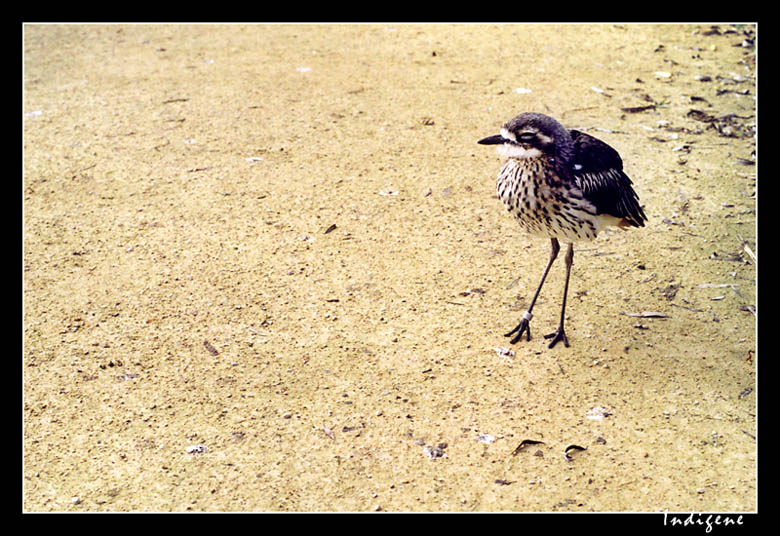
pixel 498 139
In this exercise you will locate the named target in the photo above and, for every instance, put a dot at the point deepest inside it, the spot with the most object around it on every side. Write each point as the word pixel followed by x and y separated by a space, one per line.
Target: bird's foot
pixel 557 336
pixel 523 327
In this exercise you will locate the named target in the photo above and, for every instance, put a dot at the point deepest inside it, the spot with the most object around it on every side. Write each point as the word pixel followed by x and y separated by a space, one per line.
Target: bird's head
pixel 530 135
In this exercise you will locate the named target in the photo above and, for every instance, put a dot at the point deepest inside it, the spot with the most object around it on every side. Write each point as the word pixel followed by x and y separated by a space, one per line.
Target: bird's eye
pixel 527 136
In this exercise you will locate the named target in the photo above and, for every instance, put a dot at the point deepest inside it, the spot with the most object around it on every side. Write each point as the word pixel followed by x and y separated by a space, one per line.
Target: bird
pixel 562 184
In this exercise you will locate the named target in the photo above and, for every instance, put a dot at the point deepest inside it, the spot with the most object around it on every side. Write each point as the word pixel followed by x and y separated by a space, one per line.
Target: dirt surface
pixel 265 269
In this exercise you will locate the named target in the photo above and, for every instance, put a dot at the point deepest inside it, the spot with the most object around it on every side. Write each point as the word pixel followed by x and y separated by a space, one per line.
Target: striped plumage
pixel 562 184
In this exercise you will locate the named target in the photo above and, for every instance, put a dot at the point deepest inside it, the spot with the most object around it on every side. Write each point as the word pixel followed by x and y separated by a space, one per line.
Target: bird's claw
pixel 523 327
pixel 557 336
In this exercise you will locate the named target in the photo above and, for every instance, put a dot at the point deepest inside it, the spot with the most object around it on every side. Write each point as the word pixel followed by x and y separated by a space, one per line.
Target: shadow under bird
pixel 562 184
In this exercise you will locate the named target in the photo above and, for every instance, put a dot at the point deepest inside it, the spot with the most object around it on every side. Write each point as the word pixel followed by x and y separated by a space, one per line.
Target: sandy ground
pixel 265 269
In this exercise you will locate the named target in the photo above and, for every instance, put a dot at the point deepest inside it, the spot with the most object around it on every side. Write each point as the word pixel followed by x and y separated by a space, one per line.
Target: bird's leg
pixel 559 334
pixel 523 326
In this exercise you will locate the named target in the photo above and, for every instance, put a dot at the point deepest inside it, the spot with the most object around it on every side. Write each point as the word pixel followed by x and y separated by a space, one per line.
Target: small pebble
pixel 485 438
pixel 436 452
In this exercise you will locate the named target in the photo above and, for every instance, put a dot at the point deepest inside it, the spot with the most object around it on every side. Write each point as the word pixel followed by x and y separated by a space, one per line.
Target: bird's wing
pixel 598 170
